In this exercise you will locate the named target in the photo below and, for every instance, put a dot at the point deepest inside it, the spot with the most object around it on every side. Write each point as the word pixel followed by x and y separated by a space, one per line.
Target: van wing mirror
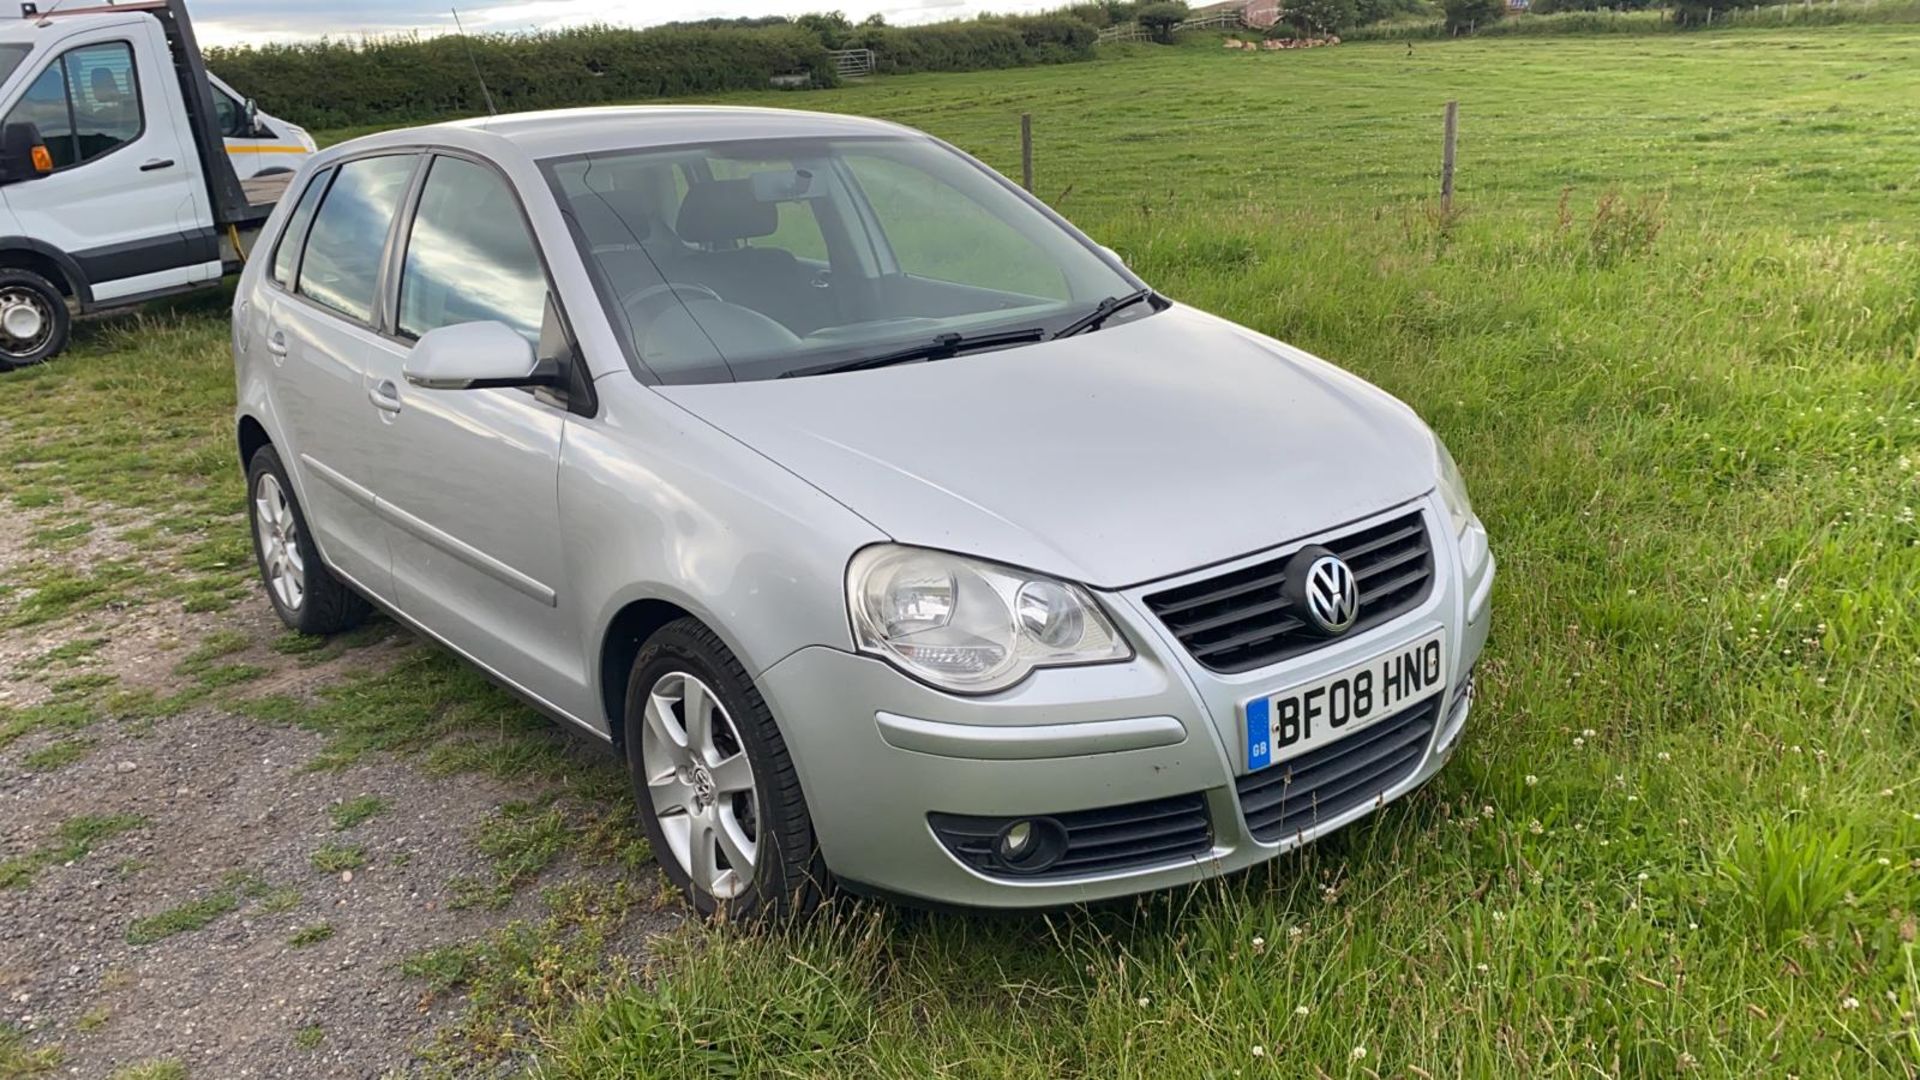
pixel 23 155
pixel 475 356
pixel 251 110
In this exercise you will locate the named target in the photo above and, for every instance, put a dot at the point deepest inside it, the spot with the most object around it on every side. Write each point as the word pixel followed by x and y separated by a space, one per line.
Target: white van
pixel 117 176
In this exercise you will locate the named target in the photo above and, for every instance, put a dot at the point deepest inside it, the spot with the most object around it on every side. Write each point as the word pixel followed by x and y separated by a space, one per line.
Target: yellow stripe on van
pixel 268 150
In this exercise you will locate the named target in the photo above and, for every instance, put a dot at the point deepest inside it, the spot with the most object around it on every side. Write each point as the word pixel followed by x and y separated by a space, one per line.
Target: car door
pixel 120 200
pixel 469 478
pixel 320 333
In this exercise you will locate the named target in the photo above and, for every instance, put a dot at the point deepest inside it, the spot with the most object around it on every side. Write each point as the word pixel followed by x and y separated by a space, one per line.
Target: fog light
pixel 1016 840
pixel 1030 845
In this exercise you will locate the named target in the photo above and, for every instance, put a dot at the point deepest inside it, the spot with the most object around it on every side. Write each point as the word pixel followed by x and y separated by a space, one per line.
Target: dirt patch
pixel 187 887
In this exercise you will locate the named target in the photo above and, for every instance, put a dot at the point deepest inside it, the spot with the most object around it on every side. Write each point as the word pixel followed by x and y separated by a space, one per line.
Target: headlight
pixel 971 626
pixel 1453 492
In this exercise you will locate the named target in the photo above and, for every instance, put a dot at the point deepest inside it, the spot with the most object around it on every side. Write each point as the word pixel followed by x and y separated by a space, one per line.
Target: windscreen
pixel 758 259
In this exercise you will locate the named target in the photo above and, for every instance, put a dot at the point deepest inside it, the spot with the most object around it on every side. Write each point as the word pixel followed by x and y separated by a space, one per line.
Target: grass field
pixel 1672 334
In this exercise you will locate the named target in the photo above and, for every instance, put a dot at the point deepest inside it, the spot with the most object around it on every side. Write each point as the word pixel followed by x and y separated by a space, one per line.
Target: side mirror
pixel 474 356
pixel 1112 254
pixel 251 110
pixel 23 156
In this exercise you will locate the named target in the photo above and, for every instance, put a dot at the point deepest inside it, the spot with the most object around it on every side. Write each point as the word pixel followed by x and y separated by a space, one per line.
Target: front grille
pixel 1239 621
pixel 1097 841
pixel 1281 800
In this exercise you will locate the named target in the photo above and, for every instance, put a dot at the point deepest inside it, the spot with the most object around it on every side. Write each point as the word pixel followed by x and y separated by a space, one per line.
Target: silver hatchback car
pixel 896 535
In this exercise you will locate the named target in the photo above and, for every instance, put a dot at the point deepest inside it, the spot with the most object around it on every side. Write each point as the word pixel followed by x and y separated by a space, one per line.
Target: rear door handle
pixel 157 164
pixel 277 342
pixel 385 397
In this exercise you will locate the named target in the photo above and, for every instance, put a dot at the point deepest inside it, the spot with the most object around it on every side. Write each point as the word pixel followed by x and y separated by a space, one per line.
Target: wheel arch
pixel 251 435
pixel 27 253
pixel 620 643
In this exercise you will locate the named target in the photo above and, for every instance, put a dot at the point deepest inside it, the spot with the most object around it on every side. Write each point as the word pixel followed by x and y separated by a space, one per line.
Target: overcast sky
pixel 228 22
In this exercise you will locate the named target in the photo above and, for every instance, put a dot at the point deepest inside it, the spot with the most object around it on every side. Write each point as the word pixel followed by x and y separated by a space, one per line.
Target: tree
pixel 1468 14
pixel 1318 18
pixel 1159 19
pixel 831 27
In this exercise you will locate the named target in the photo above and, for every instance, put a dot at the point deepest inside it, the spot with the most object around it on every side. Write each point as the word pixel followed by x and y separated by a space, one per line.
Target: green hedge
pixel 976 46
pixel 329 84
pixel 411 80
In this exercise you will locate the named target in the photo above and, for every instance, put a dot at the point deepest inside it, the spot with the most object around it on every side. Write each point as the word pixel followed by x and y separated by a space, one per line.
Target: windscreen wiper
pixel 1101 311
pixel 939 348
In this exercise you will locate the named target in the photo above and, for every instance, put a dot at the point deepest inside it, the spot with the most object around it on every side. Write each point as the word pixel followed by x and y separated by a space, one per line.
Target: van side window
pixel 86 103
pixel 341 264
pixel 227 114
pixel 287 255
pixel 470 257
pixel 106 98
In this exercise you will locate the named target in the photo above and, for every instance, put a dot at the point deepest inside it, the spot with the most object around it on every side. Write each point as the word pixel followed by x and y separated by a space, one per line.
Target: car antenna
pixel 475 61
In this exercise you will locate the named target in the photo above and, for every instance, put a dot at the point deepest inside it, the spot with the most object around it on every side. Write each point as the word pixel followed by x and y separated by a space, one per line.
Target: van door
pixel 120 199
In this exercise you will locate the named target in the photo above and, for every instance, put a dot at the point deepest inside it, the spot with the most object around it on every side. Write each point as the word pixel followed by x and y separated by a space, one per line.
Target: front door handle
pixel 277 342
pixel 385 397
pixel 156 164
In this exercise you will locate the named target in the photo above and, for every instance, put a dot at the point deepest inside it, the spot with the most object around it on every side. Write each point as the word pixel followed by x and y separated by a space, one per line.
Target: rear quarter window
pixel 286 256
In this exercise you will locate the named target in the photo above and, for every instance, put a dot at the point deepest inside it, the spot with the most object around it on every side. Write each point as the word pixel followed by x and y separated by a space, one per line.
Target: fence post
pixel 1026 151
pixel 1446 157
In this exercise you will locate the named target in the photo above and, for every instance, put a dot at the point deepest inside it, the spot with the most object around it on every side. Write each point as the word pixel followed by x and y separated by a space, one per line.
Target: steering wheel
pixel 639 303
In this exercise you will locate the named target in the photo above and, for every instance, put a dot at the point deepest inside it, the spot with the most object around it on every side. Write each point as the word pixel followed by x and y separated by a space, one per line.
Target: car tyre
pixel 719 786
pixel 34 321
pixel 306 596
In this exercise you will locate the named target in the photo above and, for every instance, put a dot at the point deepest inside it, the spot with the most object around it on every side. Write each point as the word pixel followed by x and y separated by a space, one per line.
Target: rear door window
pixel 340 268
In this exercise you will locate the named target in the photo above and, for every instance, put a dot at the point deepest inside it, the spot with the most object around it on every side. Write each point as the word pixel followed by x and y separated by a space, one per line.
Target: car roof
pixel 565 132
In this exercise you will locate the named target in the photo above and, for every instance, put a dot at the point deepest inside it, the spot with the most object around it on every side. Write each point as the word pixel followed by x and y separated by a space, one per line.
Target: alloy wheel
pixel 700 784
pixel 278 534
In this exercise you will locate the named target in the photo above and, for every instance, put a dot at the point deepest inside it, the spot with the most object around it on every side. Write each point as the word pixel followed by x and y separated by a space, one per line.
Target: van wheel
pixel 34 322
pixel 304 594
pixel 718 794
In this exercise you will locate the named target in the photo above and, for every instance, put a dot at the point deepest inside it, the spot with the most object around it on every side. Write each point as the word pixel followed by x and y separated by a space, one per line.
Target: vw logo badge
pixel 1323 590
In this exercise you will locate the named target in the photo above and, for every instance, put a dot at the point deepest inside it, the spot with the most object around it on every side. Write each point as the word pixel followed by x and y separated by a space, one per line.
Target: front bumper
pixel 879 752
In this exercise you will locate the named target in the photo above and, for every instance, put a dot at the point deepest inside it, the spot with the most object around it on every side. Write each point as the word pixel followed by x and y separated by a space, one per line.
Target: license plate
pixel 1312 714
